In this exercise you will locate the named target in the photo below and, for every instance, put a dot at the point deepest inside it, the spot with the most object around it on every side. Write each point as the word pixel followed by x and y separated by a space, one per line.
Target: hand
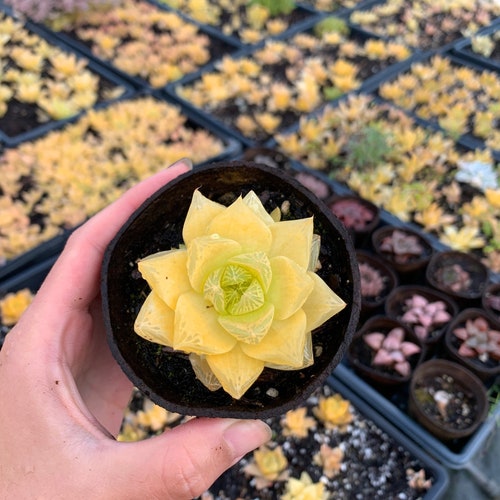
pixel 62 395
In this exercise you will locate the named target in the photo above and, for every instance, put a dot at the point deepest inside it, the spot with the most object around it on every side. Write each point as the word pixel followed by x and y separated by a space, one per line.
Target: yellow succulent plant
pixel 304 489
pixel 238 296
pixel 297 423
pixel 334 411
pixel 13 305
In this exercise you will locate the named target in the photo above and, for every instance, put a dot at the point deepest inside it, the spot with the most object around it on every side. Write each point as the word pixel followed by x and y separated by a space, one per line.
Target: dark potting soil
pixel 374 466
pixel 460 410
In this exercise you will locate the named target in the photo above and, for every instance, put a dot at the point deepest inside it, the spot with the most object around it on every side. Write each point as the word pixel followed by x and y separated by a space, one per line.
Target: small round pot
pixel 485 370
pixel 359 216
pixel 395 308
pixel 166 376
pixel 491 292
pixel 371 304
pixel 359 354
pixel 402 263
pixel 423 408
pixel 439 265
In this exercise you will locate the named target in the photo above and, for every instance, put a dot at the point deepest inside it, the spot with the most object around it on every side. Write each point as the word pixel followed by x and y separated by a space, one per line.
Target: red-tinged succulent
pixel 353 214
pixel 454 277
pixel 425 316
pixel 372 281
pixel 391 350
pixel 402 246
pixel 479 340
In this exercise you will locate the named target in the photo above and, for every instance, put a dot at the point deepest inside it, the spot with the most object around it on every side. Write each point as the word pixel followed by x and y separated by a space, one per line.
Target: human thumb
pixel 183 462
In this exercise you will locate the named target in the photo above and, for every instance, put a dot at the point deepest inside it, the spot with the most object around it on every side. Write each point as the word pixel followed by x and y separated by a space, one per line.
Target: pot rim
pixel 439 366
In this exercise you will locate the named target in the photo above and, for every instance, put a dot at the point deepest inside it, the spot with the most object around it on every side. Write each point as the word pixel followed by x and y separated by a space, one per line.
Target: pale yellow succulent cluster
pixel 113 148
pixel 413 179
pixel 318 68
pixel 426 23
pixel 235 18
pixel 58 83
pixel 13 305
pixel 462 100
pixel 241 295
pixel 143 40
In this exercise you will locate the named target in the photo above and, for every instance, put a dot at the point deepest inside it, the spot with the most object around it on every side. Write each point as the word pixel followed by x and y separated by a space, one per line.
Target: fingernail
pixel 186 162
pixel 246 435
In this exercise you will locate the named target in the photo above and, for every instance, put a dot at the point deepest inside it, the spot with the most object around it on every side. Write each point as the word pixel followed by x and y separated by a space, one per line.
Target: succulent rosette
pixel 241 294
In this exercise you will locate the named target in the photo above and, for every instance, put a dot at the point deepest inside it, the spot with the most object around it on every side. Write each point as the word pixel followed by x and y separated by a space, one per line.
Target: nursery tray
pixel 54 246
pixel 463 49
pixel 430 44
pixel 222 115
pixel 468 140
pixel 219 46
pixel 106 77
pixel 453 456
pixel 339 9
pixel 438 471
pixel 303 14
pixel 32 258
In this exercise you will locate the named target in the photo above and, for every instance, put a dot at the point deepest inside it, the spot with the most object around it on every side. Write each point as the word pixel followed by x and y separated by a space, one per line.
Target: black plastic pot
pixel 357 209
pixel 167 377
pixel 359 354
pixel 491 291
pixel 442 262
pixel 485 370
pixel 395 308
pixel 453 454
pixel 404 264
pixel 465 381
pixel 373 304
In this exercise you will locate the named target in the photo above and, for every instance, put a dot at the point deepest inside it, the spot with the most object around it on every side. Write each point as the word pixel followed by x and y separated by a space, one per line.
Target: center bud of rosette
pixel 237 290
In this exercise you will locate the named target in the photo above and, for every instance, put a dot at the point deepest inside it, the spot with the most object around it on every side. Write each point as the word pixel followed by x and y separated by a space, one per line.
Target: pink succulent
pixel 353 213
pixel 372 281
pixel 479 340
pixel 402 246
pixel 392 350
pixel 424 315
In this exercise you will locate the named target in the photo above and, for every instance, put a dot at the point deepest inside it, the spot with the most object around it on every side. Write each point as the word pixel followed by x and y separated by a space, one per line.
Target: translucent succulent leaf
pixel 196 328
pixel 200 213
pixel 213 291
pixel 235 370
pixel 166 274
pixel 284 344
pixel 253 201
pixel 246 301
pixel 251 327
pixel 321 304
pixel 258 264
pixel 240 223
pixel 276 214
pixel 314 264
pixel 293 239
pixel 308 351
pixel 203 372
pixel 155 321
pixel 290 287
pixel 205 255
